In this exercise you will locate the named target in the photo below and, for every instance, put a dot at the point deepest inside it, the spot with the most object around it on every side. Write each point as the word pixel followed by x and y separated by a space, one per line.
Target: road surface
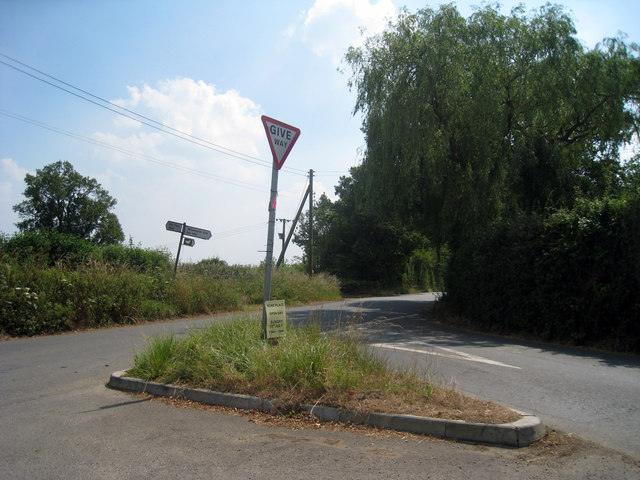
pixel 57 420
pixel 593 394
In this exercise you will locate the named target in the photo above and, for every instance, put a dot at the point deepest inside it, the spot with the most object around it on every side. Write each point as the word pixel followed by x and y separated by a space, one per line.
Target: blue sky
pixel 210 69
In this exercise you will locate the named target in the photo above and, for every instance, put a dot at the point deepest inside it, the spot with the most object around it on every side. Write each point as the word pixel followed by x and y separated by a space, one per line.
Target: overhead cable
pixel 143 156
pixel 139 117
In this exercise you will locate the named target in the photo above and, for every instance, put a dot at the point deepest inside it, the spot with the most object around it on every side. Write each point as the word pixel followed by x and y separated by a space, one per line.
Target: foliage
pixel 50 247
pixel 499 138
pixel 470 119
pixel 467 121
pixel 322 216
pixel 572 277
pixel 304 365
pixel 217 268
pixel 631 177
pixel 425 270
pixel 365 252
pixel 298 287
pixel 59 198
pixel 52 282
pixel 137 258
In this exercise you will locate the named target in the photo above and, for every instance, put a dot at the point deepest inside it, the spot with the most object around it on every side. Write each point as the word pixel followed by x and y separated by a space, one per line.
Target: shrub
pixel 50 282
pixel 48 247
pixel 572 277
pixel 144 260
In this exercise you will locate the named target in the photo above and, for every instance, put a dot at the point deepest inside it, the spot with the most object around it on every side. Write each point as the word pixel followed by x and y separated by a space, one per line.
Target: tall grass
pixel 303 366
pixel 51 283
pixel 306 366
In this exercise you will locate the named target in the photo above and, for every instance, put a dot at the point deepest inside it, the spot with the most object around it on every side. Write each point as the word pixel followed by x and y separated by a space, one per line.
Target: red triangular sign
pixel 281 139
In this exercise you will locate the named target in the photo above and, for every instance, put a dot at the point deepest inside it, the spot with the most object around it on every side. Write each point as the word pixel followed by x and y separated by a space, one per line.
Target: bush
pixel 573 277
pixel 50 282
pixel 138 258
pixel 48 247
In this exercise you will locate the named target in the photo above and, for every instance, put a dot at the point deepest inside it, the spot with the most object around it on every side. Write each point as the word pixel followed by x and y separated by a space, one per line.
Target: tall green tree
pixel 469 119
pixel 322 215
pixel 59 198
pixel 364 251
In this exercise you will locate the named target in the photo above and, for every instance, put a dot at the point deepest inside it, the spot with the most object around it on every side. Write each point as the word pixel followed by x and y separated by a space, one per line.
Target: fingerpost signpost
pixel 281 138
pixel 184 229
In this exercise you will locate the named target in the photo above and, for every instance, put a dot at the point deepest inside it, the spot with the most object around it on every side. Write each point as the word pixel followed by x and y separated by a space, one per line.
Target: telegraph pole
pixel 293 228
pixel 284 221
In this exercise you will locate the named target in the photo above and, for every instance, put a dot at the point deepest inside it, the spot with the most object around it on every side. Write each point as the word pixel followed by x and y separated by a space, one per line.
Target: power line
pixel 329 173
pixel 142 156
pixel 241 230
pixel 145 120
pixel 118 106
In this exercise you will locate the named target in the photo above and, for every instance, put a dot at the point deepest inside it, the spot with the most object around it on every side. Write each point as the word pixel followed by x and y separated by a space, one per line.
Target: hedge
pixel 572 277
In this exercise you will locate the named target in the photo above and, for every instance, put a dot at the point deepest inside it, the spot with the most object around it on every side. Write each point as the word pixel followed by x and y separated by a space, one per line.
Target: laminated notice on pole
pixel 276 318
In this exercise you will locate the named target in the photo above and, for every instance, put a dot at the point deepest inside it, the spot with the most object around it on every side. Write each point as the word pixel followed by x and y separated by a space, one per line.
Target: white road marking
pixel 456 354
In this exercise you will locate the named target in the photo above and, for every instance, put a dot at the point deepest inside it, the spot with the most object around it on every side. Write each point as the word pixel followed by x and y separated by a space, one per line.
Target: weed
pixel 305 366
pixel 156 358
pixel 51 282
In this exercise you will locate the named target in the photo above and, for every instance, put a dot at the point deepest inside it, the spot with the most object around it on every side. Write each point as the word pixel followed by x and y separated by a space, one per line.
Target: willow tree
pixel 468 119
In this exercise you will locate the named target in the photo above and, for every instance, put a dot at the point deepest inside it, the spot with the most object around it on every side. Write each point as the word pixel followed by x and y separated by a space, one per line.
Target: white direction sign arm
pixel 188 230
pixel 197 232
pixel 173 226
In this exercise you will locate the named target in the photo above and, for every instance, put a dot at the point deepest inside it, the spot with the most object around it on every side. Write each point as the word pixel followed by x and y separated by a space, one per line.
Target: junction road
pixel 57 419
pixel 590 393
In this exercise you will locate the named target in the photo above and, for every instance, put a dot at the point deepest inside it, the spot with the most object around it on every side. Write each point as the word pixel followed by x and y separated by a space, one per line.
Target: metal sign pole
pixel 311 222
pixel 175 268
pixel 281 138
pixel 269 258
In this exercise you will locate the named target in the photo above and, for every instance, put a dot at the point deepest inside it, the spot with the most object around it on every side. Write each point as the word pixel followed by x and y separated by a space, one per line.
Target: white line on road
pixel 456 354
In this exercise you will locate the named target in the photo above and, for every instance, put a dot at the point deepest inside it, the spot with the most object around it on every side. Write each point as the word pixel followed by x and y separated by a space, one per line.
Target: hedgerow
pixel 50 282
pixel 572 277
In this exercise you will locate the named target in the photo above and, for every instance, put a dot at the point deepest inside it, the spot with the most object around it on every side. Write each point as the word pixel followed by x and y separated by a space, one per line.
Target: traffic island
pixel 522 432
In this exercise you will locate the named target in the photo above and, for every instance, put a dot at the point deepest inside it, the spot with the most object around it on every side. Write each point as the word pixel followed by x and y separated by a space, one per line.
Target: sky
pixel 209 69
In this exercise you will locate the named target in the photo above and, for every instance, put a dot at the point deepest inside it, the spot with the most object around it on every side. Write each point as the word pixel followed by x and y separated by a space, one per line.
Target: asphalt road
pixel 57 420
pixel 593 394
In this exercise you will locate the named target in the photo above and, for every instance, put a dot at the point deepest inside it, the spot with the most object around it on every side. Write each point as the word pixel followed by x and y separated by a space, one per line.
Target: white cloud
pixel 331 26
pixel 203 186
pixel 11 188
pixel 198 109
pixel 12 170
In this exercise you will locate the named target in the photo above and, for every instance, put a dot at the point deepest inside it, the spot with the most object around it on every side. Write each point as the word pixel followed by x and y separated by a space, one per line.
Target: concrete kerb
pixel 523 432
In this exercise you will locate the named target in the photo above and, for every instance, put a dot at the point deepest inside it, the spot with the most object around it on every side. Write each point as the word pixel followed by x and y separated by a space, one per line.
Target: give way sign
pixel 281 139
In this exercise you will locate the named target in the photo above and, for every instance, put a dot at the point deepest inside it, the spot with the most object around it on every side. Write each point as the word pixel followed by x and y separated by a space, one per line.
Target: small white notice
pixel 276 318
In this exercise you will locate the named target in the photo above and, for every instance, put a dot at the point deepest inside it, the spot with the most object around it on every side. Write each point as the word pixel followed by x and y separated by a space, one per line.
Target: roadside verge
pixel 520 433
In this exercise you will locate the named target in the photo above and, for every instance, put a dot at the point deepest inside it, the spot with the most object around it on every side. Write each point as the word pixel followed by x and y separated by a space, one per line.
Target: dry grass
pixel 442 403
pixel 297 421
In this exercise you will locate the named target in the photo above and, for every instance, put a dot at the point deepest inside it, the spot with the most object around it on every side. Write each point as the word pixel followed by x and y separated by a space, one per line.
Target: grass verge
pixel 305 366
